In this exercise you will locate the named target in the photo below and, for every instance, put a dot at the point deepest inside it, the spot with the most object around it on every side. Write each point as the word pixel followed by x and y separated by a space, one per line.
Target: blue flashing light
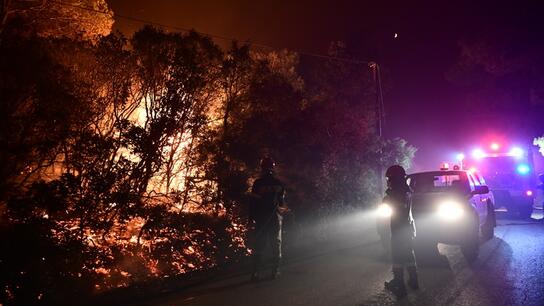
pixel 523 169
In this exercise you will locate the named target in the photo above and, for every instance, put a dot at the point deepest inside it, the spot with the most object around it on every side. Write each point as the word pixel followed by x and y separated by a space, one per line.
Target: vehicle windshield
pixel 500 172
pixel 438 182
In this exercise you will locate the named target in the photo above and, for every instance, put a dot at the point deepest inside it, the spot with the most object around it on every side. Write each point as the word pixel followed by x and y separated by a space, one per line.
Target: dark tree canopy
pixel 75 19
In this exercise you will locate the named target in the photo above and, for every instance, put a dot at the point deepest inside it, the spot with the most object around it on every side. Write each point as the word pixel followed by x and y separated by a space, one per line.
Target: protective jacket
pixel 400 200
pixel 268 194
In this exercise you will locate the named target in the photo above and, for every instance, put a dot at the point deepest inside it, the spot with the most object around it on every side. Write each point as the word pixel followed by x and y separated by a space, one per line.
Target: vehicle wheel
pixel 425 248
pixel 471 247
pixel 488 229
pixel 525 209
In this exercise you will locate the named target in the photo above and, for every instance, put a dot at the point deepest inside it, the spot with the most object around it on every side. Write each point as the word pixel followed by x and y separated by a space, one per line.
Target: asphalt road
pixel 351 270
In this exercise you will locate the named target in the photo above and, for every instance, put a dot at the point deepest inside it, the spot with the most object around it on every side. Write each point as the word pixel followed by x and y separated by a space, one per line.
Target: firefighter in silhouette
pixel 398 196
pixel 541 186
pixel 266 211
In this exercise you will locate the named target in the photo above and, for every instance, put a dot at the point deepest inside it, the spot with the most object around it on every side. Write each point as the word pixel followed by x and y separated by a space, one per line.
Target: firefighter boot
pixel 276 271
pixel 396 285
pixel 256 266
pixel 412 278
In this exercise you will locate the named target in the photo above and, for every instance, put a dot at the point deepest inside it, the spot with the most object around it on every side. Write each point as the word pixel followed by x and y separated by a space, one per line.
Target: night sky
pixel 420 102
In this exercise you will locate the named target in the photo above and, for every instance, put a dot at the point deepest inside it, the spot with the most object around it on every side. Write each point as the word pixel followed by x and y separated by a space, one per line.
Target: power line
pixel 181 29
pixel 370 64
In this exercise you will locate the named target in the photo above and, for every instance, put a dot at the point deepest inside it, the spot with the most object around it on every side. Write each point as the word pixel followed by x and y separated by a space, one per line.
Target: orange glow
pixel 197 247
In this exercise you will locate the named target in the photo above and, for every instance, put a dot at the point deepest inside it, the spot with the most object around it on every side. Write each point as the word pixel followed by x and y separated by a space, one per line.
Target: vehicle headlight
pixel 384 210
pixel 450 210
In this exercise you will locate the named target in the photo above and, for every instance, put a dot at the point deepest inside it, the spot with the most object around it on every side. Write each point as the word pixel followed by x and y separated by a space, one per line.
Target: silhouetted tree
pixel 502 73
pixel 75 19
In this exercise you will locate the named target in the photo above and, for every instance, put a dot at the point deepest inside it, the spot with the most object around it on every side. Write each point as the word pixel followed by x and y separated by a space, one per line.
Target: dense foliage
pixel 125 160
pixel 76 19
pixel 502 72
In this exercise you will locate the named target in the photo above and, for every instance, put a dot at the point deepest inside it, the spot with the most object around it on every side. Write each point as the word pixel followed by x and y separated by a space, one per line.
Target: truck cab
pixel 510 176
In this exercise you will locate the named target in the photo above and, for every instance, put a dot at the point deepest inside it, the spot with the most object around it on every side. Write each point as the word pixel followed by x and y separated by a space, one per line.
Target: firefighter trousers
pixel 267 235
pixel 402 254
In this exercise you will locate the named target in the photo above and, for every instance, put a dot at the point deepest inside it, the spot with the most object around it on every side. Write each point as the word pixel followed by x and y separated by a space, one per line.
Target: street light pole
pixel 379 115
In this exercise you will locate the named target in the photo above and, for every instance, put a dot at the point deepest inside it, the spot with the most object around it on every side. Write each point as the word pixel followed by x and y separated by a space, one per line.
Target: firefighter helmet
pixel 267 163
pixel 395 171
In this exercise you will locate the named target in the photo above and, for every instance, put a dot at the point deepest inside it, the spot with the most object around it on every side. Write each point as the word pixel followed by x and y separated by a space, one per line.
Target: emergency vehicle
pixel 509 174
pixel 448 206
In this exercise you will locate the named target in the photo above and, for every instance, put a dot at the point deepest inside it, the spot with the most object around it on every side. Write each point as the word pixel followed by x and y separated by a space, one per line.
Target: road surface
pixel 352 269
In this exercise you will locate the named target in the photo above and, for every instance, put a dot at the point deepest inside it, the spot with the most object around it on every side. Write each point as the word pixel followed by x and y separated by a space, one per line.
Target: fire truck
pixel 509 173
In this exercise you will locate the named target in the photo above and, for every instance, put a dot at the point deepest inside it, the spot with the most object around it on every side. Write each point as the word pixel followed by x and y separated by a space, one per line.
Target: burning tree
pixel 106 180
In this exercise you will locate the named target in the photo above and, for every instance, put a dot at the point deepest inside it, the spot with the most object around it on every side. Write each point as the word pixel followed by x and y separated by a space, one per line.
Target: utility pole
pixel 379 115
pixel 379 98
